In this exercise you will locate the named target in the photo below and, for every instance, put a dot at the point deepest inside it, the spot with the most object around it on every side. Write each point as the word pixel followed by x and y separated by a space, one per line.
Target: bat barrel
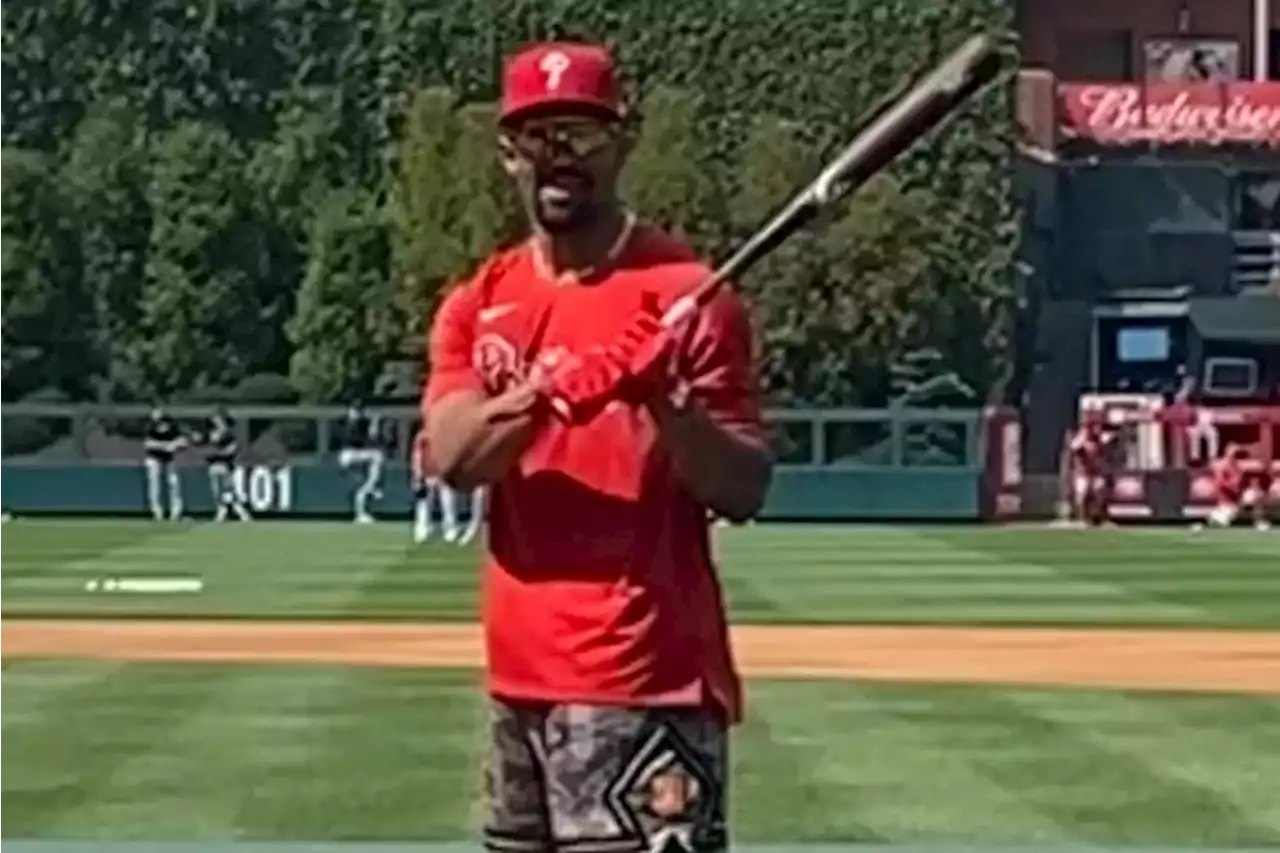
pixel 893 128
pixel 925 106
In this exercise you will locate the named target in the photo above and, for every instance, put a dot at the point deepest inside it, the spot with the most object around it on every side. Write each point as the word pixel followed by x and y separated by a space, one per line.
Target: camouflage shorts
pixel 597 779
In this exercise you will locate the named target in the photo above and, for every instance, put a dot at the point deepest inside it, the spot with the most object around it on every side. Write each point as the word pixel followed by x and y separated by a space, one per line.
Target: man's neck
pixel 583 248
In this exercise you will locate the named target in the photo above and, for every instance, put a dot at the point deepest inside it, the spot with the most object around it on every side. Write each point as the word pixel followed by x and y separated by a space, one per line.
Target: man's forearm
pixel 474 440
pixel 727 471
pixel 492 453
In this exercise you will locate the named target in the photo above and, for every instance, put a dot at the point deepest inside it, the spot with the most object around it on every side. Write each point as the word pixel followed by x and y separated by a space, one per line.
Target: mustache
pixel 564 172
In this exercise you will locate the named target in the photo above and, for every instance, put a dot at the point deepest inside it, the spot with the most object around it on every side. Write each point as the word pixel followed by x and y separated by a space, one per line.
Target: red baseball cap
pixel 560 74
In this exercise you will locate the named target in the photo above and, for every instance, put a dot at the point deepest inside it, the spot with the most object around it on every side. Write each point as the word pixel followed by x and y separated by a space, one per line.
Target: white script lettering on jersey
pixel 498 364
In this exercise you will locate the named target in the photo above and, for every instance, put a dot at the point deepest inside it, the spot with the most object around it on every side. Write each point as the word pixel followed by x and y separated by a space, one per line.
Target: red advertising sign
pixel 1172 112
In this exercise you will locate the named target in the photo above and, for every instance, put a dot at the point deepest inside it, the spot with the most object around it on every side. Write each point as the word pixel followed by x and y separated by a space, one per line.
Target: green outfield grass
pixel 145 751
pixel 965 575
pixel 119 751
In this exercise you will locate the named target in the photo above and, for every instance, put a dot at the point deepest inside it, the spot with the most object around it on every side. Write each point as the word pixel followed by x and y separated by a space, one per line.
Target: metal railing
pixel 1257 259
pixel 36 434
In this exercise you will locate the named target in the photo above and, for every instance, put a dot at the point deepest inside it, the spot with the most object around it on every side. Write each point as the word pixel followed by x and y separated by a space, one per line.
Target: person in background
pixel 475 518
pixel 1238 485
pixel 1089 481
pixel 160 446
pixel 1200 431
pixel 221 448
pixel 425 485
pixel 428 488
pixel 364 451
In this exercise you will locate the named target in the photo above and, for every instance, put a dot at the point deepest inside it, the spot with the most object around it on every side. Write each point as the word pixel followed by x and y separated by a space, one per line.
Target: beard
pixel 562 201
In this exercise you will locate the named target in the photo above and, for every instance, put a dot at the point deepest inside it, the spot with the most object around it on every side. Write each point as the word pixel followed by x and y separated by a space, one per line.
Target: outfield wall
pixel 325 490
pixel 834 464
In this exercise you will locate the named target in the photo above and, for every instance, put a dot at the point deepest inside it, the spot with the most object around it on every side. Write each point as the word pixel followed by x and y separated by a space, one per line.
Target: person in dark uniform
pixel 363 450
pixel 160 446
pixel 221 448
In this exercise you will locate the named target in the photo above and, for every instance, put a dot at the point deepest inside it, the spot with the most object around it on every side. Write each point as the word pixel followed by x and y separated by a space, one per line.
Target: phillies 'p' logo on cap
pixel 560 74
pixel 554 64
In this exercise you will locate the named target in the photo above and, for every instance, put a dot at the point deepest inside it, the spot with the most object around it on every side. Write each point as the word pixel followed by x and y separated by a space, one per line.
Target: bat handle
pixel 686 306
pixel 680 311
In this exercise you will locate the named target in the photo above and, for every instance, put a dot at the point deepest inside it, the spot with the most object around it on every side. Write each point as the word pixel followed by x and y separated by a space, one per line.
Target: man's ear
pixel 629 129
pixel 627 138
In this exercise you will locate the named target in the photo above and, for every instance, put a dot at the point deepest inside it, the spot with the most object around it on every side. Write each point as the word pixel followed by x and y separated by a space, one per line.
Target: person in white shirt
pixel 364 450
pixel 428 488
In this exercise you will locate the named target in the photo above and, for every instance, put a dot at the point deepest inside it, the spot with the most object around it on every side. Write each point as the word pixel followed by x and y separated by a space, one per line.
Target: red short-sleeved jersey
pixel 1228 479
pixel 1086 449
pixel 599 584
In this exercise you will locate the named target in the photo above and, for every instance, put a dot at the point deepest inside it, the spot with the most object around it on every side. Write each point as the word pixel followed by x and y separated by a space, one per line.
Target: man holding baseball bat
pixel 607 437
pixel 599 377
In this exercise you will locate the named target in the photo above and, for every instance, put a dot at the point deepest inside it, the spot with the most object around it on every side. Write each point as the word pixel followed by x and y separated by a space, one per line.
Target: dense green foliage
pixel 195 194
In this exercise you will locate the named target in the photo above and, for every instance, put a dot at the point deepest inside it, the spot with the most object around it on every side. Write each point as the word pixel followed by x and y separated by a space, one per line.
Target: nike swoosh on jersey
pixel 493 312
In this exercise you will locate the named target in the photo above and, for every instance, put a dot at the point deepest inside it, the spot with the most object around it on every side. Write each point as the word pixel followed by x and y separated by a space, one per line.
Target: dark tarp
pixel 1253 319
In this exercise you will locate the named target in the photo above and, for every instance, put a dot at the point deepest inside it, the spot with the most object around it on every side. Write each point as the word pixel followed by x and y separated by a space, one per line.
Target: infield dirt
pixel 1199 660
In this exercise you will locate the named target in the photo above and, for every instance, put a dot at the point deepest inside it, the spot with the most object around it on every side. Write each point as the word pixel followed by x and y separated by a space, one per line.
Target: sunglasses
pixel 542 140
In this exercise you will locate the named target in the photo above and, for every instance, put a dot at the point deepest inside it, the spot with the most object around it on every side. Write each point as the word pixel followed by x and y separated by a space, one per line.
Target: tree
pixel 878 297
pixel 393 97
pixel 199 309
pixel 836 304
pixel 105 173
pixel 46 342
pixel 665 178
pixel 488 211
pixel 427 249
pixel 775 159
pixel 288 174
pixel 346 324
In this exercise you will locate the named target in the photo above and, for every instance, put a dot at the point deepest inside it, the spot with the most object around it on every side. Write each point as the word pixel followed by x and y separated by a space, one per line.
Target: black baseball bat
pixel 892 130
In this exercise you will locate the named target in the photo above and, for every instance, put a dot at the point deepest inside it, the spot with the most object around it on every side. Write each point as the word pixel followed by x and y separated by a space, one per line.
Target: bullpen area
pixel 942 685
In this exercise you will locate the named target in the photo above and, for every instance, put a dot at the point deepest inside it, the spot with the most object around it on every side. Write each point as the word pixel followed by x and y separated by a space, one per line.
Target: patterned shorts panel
pixel 605 779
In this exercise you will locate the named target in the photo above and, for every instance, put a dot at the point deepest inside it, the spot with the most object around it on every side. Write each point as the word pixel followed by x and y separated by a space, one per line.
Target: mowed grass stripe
pixel 1067 607
pixel 436 580
pixel 858 585
pixel 247 570
pixel 36 687
pixel 1065 765
pixel 283 752
pixel 771 573
pixel 1213 743
pixel 774 794
pixel 40 549
pixel 1153 566
pixel 876 776
pixel 65 760
pixel 217 750
pixel 391 756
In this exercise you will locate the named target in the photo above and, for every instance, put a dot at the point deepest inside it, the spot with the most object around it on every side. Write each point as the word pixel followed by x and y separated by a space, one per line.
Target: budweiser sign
pixel 1173 112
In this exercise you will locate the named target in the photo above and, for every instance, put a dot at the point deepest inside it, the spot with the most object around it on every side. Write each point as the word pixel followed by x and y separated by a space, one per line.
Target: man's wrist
pixel 514 403
pixel 674 402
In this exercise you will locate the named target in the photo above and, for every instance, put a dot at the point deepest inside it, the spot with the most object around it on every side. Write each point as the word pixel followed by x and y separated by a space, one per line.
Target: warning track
pixel 1219 661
